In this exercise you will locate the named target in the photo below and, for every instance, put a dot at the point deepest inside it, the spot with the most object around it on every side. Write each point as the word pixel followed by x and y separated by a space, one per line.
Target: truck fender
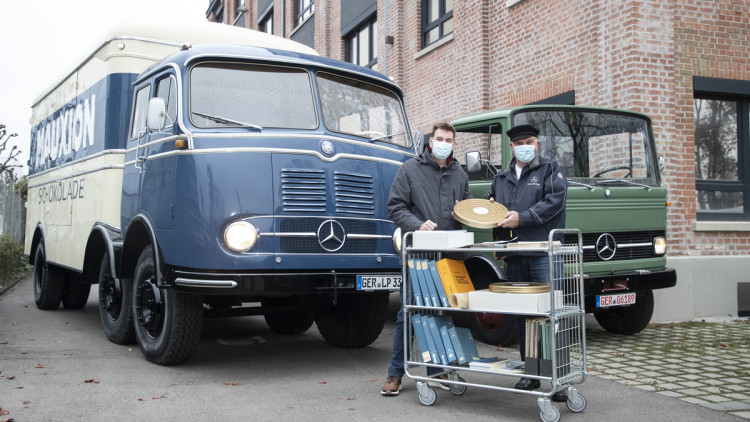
pixel 103 237
pixel 483 271
pixel 38 238
pixel 139 235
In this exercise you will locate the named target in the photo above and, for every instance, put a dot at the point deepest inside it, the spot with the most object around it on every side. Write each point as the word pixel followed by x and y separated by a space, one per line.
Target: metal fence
pixel 12 212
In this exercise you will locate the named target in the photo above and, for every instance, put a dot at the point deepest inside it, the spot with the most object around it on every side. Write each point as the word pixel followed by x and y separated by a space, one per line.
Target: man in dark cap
pixel 534 190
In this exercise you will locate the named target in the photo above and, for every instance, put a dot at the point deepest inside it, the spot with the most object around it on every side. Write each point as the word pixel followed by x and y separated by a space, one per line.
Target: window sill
pixel 301 24
pixel 434 46
pixel 721 226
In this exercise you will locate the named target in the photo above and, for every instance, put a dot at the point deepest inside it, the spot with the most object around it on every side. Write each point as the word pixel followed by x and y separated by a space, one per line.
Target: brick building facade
pixel 665 58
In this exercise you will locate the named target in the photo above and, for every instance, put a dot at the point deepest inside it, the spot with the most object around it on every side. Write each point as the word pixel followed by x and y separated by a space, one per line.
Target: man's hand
pixel 511 220
pixel 428 226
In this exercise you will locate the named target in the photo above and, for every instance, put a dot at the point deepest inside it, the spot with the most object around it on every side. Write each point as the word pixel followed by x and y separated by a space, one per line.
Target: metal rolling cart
pixel 566 314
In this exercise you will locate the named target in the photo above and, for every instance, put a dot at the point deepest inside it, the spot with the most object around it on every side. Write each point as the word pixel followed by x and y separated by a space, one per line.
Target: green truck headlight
pixel 660 245
pixel 240 236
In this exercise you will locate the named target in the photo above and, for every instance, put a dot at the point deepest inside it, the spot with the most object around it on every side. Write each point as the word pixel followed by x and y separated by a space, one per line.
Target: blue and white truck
pixel 191 170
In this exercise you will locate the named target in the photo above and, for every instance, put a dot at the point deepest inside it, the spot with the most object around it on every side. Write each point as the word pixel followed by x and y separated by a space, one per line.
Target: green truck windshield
pixel 595 147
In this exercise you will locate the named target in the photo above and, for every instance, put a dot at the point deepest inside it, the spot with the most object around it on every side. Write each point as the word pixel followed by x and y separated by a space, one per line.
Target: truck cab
pixel 615 198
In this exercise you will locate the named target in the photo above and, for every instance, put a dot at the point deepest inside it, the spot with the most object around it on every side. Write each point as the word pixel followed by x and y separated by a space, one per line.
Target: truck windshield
pixel 595 147
pixel 251 96
pixel 362 109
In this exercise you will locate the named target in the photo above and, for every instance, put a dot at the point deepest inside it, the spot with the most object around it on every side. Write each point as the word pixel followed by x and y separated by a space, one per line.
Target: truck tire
pixel 628 319
pixel 115 310
pixel 48 282
pixel 287 323
pixel 356 321
pixel 76 293
pixel 494 329
pixel 167 323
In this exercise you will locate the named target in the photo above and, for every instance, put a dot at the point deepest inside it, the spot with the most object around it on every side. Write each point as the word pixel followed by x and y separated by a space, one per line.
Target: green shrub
pixel 12 264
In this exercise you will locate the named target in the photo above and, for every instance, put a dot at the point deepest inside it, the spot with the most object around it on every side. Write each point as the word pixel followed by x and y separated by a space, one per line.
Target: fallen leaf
pixel 24 353
pixel 233 383
pixel 3 412
pixel 59 341
pixel 38 365
pixel 351 398
pixel 90 380
pixel 140 399
pixel 157 397
pixel 3 342
pixel 725 344
pixel 68 354
pixel 323 382
pixel 26 402
pixel 19 387
pixel 499 348
pixel 13 323
pixel 373 379
pixel 12 377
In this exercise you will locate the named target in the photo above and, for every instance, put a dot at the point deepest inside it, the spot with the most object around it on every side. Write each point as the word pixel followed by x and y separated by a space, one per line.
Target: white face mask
pixel 441 149
pixel 524 153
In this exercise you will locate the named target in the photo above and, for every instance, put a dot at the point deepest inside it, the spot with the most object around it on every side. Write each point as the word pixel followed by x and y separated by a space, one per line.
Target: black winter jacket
pixel 423 191
pixel 538 197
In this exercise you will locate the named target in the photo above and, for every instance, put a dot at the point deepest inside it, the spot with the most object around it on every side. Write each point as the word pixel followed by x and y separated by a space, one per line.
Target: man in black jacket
pixel 534 190
pixel 422 197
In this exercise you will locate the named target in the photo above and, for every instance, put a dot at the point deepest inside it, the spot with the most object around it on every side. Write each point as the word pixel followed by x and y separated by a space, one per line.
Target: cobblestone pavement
pixel 702 362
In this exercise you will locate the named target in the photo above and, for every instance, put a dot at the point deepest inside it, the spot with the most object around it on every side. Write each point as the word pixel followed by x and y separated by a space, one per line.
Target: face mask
pixel 442 149
pixel 524 153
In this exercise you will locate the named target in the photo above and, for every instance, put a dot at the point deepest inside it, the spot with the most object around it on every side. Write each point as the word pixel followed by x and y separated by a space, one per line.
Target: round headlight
pixel 397 240
pixel 660 245
pixel 240 236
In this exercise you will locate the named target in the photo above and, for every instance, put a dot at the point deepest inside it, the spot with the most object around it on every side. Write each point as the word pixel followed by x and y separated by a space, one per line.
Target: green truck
pixel 615 198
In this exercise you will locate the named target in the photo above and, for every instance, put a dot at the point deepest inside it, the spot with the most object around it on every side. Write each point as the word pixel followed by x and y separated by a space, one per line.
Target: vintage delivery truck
pixel 191 170
pixel 615 197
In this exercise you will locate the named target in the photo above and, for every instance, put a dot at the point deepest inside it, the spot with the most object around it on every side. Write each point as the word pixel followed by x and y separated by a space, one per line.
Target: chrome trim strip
pixel 271 150
pixel 221 284
pixel 367 236
pixel 348 235
pixel 623 245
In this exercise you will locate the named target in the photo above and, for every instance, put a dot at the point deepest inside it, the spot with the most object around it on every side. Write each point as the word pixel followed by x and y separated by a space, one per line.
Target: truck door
pixel 148 181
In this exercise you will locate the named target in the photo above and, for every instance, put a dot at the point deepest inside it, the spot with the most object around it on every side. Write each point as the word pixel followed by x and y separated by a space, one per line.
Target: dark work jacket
pixel 538 197
pixel 423 191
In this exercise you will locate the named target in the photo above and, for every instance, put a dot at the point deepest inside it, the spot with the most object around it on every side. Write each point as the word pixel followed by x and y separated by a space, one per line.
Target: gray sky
pixel 41 41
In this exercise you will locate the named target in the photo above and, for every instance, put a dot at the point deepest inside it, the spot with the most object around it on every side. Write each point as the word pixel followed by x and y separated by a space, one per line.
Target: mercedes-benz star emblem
pixel 326 147
pixel 606 246
pixel 331 235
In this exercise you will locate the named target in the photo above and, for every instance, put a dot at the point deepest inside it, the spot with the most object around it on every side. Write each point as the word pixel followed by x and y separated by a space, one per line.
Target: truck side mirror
pixel 473 162
pixel 418 141
pixel 157 113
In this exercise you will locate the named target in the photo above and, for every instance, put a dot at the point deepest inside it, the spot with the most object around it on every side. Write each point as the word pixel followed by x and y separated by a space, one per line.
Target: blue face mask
pixel 442 149
pixel 524 153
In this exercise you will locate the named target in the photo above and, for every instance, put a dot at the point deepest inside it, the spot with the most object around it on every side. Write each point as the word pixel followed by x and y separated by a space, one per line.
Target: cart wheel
pixel 576 405
pixel 427 396
pixel 552 414
pixel 458 389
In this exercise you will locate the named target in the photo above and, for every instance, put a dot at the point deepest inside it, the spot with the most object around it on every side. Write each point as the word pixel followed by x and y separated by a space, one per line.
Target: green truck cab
pixel 615 198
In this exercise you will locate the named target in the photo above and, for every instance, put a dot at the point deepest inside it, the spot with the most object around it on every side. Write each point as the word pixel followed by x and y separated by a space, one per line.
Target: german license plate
pixel 378 282
pixel 606 301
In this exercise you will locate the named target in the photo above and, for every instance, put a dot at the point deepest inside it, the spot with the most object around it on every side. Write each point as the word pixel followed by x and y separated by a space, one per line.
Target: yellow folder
pixel 454 276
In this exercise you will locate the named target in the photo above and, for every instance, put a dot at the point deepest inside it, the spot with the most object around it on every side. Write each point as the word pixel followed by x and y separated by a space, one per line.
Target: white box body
pixel 531 303
pixel 442 239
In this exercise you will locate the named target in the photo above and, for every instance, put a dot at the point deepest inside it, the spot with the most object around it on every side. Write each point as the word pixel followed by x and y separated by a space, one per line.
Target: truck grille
pixel 630 245
pixel 354 193
pixel 303 190
pixel 299 244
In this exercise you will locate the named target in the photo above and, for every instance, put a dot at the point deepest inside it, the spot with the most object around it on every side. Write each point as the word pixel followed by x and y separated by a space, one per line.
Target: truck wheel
pixel 48 282
pixel 356 321
pixel 115 311
pixel 494 329
pixel 628 319
pixel 286 323
pixel 76 293
pixel 168 324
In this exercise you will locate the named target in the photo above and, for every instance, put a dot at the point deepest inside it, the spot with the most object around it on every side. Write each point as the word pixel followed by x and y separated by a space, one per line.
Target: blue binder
pixel 418 299
pixel 463 343
pixel 438 283
pixel 424 348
